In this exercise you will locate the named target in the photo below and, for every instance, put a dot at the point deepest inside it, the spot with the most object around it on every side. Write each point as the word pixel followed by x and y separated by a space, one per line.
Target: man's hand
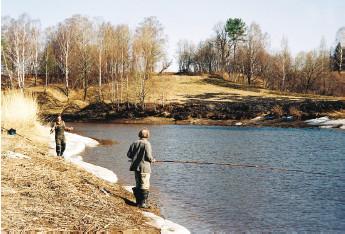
pixel 154 160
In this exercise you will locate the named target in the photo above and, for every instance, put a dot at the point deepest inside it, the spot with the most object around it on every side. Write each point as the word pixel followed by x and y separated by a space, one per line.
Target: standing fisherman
pixel 140 153
pixel 59 127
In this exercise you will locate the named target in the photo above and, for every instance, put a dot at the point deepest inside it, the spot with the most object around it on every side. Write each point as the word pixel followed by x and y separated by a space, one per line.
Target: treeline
pixel 240 53
pixel 80 52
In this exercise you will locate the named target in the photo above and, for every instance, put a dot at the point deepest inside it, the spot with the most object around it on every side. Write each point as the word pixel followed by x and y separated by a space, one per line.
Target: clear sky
pixel 303 22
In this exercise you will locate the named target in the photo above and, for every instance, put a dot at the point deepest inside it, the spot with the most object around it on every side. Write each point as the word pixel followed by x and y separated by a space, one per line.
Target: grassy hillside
pixel 165 89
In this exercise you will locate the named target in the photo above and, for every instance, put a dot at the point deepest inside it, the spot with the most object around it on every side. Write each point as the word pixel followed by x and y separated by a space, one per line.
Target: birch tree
pixel 17 36
pixel 253 46
pixel 148 47
pixel 285 62
pixel 64 40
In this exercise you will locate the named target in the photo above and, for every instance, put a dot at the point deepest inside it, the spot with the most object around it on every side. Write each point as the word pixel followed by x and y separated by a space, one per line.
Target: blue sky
pixel 303 22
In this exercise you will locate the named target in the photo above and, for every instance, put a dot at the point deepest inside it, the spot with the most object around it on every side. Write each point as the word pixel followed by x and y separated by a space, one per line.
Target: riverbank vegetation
pixel 121 62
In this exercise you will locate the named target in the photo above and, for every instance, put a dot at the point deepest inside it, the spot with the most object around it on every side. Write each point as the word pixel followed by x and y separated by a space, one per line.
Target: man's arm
pixel 148 150
pixel 130 150
pixel 52 129
pixel 67 128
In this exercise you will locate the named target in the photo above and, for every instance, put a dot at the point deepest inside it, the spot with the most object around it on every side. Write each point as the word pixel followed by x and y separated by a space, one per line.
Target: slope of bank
pixel 190 99
pixel 44 193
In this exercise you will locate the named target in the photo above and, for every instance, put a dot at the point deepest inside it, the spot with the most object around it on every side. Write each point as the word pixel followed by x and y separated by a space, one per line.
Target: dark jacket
pixel 140 153
pixel 59 130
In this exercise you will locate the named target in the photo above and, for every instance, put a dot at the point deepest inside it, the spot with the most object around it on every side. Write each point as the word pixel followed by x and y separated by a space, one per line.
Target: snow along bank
pixel 166 226
pixel 75 144
pixel 326 122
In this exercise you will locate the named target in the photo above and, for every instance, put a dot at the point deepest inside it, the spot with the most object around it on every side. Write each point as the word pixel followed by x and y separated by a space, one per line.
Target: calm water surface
pixel 219 199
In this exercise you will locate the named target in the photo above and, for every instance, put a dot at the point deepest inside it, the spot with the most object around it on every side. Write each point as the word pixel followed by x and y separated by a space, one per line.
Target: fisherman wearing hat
pixel 140 153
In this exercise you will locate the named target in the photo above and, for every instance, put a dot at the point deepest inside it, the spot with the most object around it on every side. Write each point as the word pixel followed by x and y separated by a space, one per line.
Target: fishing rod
pixel 240 165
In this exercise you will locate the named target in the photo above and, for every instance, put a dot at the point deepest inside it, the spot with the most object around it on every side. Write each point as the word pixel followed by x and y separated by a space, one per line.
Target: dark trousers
pixel 60 146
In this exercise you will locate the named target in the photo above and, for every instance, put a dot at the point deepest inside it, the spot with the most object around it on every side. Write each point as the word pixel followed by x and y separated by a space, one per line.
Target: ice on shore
pixel 166 226
pixel 75 144
pixel 326 122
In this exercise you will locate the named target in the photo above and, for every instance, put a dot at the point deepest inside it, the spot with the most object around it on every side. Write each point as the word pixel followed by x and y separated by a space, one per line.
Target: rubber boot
pixel 144 194
pixel 136 195
pixel 63 147
pixel 58 150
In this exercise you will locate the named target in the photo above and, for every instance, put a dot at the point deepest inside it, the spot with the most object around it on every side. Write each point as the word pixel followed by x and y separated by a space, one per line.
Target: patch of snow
pixel 317 121
pixel 14 155
pixel 166 226
pixel 326 122
pixel 257 118
pixel 75 144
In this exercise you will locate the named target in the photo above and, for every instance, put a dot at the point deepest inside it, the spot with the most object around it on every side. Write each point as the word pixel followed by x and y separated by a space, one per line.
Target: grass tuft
pixel 19 110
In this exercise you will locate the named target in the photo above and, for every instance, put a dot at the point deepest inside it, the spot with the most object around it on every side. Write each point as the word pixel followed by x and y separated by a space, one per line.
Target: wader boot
pixel 63 147
pixel 144 194
pixel 136 195
pixel 58 149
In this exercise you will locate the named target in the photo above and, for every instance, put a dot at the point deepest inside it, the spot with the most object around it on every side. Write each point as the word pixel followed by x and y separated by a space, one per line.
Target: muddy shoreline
pixel 257 113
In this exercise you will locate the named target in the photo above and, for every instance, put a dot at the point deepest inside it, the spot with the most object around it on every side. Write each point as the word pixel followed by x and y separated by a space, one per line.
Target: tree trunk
pixel 100 76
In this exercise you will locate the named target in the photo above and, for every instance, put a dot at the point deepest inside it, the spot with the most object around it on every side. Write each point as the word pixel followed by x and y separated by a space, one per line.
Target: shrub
pixel 295 111
pixel 277 111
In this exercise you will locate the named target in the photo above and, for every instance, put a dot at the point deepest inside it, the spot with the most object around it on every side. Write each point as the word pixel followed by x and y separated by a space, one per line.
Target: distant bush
pixel 278 111
pixel 18 110
pixel 295 111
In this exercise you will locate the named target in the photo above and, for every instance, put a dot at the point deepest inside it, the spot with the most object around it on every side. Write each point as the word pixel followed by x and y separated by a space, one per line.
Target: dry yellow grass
pixel 163 89
pixel 181 88
pixel 19 110
pixel 47 194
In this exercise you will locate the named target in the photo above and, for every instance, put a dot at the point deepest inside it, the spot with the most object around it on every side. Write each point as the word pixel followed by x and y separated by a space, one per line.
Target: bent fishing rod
pixel 240 165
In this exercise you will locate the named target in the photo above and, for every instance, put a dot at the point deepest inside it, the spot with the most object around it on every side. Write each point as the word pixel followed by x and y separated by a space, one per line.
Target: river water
pixel 221 199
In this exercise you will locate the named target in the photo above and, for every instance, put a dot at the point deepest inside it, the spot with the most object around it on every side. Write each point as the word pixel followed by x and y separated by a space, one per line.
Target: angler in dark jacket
pixel 59 127
pixel 140 153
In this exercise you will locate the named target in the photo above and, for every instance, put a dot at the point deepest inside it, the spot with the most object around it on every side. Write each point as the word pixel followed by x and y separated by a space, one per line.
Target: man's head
pixel 59 118
pixel 144 133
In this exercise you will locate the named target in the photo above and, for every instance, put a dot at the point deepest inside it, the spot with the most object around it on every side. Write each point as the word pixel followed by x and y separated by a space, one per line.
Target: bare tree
pixel 17 38
pixel 254 45
pixel 148 48
pixel 285 61
pixel 185 55
pixel 100 44
pixel 83 37
pixel 64 40
pixel 36 47
pixel 222 47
